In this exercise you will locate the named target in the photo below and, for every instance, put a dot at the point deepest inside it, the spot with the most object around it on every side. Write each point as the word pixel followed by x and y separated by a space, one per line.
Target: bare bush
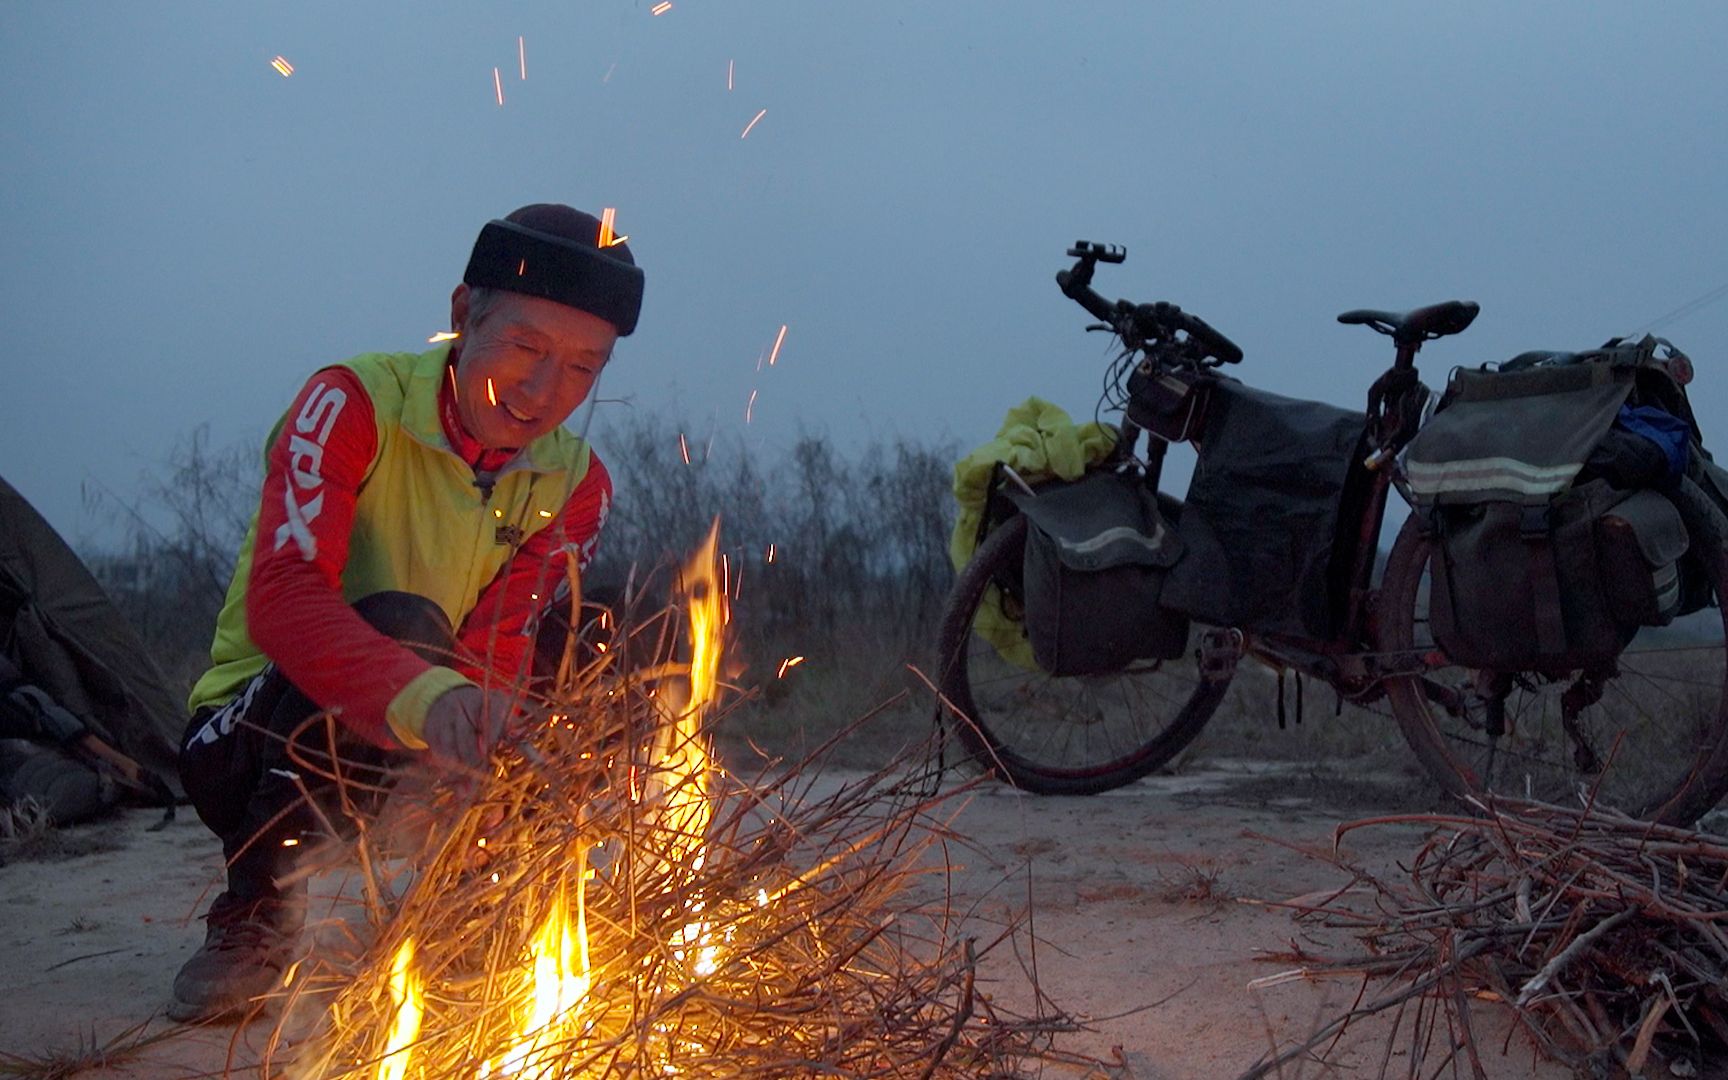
pixel 180 539
pixel 840 558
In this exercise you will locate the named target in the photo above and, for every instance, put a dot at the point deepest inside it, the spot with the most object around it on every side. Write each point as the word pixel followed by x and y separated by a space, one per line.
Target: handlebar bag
pixel 1097 555
pixel 1538 564
pixel 1262 515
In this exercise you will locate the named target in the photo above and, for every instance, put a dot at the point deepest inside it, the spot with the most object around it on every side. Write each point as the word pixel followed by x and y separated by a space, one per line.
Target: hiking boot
pixel 247 944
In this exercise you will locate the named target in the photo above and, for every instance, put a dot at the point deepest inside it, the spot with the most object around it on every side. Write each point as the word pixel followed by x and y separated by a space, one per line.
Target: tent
pixel 59 626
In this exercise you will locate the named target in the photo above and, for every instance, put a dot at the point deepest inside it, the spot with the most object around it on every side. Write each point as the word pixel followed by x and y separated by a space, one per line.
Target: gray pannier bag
pixel 1535 568
pixel 1097 553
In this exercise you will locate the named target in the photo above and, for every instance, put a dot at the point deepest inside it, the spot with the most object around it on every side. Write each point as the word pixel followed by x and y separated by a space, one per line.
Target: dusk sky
pixel 189 233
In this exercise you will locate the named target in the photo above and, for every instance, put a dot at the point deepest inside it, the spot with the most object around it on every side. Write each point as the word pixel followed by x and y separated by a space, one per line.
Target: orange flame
pixel 562 978
pixel 408 995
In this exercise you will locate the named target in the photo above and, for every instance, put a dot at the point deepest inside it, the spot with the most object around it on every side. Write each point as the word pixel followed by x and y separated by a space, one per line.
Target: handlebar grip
pixel 1084 295
pixel 1227 351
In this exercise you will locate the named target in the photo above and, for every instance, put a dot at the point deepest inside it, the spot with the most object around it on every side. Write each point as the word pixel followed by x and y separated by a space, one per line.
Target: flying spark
pixel 778 341
pixel 606 78
pixel 608 238
pixel 443 335
pixel 729 74
pixel 491 394
pixel 751 407
pixel 662 7
pixel 683 448
pixel 522 56
pixel 787 664
pixel 282 66
pixel 498 85
pixel 770 554
pixel 746 132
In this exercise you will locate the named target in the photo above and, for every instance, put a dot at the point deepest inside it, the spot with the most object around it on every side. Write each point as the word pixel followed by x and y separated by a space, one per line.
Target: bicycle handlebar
pixel 1136 322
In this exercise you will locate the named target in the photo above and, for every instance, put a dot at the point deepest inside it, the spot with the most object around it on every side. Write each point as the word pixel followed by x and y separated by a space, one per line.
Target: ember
pixel 611 902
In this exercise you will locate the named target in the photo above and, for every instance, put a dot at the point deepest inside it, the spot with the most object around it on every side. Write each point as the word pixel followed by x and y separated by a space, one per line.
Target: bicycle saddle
pixel 1423 324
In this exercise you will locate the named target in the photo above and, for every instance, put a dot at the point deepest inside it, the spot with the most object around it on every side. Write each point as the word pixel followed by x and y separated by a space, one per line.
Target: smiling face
pixel 523 364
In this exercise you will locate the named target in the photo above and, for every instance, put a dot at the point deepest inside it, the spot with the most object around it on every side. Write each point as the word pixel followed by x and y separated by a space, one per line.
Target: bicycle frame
pixel 1346 661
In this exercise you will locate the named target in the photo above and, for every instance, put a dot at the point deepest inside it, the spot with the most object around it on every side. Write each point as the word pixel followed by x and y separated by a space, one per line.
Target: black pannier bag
pixel 1262 515
pixel 1540 562
pixel 1097 552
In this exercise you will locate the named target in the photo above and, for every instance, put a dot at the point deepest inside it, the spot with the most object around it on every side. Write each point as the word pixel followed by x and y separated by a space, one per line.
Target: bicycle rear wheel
pixel 1077 735
pixel 1660 728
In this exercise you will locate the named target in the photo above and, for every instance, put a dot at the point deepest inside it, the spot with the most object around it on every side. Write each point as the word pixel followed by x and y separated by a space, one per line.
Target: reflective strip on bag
pixel 1488 474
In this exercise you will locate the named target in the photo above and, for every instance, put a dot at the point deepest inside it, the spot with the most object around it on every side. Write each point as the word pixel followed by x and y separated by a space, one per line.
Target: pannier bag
pixel 1543 558
pixel 1097 553
pixel 1260 524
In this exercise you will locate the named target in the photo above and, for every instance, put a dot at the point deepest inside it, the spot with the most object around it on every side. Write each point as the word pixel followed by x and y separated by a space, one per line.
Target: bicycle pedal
pixel 1219 652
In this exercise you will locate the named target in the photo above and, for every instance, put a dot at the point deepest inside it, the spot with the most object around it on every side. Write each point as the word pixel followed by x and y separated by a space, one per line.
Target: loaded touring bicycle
pixel 1546 624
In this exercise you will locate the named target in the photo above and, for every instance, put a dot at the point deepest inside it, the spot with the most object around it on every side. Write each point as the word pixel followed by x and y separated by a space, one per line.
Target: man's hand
pixel 464 724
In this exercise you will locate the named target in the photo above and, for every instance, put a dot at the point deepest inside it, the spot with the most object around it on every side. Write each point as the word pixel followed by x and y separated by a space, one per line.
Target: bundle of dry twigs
pixel 610 902
pixel 1604 934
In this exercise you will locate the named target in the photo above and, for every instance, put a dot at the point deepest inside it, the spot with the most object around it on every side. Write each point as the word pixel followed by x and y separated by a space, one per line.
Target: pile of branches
pixel 768 927
pixel 1606 936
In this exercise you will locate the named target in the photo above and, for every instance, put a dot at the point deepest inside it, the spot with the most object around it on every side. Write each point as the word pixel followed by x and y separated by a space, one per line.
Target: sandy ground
pixel 1146 904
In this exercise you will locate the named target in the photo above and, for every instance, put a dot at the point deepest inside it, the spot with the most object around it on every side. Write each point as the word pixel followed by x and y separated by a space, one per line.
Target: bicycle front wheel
pixel 1076 735
pixel 1654 746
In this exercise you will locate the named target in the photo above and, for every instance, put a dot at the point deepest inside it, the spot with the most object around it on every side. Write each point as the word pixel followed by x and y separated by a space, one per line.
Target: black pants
pixel 245 782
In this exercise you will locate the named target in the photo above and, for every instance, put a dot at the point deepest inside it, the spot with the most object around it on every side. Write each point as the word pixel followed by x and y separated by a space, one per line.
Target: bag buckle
pixel 1534 524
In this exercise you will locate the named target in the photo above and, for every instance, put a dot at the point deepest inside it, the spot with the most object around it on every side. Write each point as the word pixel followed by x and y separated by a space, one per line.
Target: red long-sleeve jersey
pixel 295 610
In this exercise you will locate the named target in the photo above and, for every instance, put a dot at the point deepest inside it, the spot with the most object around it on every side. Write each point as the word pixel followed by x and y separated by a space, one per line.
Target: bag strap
pixel 1544 577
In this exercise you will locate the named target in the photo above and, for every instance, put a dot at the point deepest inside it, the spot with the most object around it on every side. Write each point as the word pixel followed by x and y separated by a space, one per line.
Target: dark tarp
pixel 59 626
pixel 1261 520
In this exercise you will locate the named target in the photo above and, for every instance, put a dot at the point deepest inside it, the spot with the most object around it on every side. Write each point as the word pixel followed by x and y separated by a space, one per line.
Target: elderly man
pixel 418 515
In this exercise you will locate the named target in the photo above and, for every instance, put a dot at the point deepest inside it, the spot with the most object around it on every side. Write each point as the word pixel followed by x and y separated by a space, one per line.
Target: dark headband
pixel 519 259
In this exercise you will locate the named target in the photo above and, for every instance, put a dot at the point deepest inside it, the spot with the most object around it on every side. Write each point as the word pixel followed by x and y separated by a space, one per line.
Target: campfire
pixel 611 902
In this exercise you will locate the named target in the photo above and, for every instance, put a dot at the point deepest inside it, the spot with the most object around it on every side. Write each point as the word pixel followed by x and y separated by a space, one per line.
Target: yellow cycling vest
pixel 421 525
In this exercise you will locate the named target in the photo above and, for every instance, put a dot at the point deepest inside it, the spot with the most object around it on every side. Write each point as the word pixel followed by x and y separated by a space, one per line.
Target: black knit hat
pixel 552 251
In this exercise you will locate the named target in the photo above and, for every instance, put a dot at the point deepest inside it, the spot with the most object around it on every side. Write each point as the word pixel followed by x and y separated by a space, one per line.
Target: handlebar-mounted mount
pixel 1162 325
